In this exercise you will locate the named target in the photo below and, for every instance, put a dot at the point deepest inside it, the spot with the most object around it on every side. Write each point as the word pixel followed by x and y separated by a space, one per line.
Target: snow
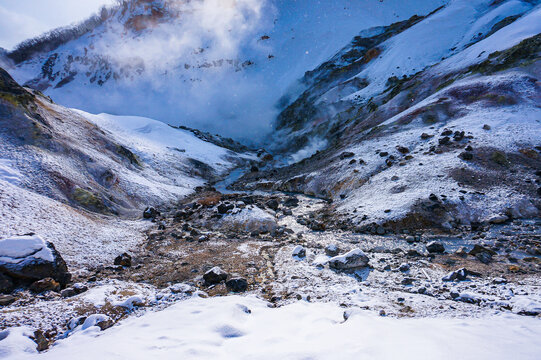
pixel 19 250
pixel 251 218
pixel 151 137
pixel 16 341
pixel 8 172
pixel 236 327
pixel 523 28
pixel 70 230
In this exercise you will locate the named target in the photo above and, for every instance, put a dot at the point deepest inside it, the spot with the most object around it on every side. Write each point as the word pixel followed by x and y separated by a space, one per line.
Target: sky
pixel 23 19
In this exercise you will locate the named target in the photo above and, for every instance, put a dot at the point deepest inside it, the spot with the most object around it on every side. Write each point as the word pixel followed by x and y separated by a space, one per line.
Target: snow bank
pixel 8 172
pixel 246 328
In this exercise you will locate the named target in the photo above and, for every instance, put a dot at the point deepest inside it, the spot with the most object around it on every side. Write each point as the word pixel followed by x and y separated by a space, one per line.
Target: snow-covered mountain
pixel 437 111
pixel 219 66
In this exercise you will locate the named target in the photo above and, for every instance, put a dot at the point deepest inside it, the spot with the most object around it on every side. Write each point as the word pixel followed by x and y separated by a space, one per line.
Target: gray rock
pixel 6 284
pixel 459 275
pixel 353 259
pixel 332 250
pixel 404 267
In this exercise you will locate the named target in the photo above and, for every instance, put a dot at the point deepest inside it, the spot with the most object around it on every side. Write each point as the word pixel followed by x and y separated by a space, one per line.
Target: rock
pixel 6 284
pixel 75 289
pixel 237 284
pixel 426 136
pixel 291 202
pixel 47 284
pixel 498 219
pixel 30 258
pixel 272 204
pixel 410 239
pixel 402 149
pixel 383 153
pixel 353 259
pixel 407 281
pixel 6 300
pixel 299 252
pixel 481 249
pixel 459 275
pixel 466 155
pixel 346 155
pixel 68 292
pixel 486 127
pixel 435 247
pixel 484 257
pixel 123 260
pixel 254 169
pixel 100 320
pixel 461 251
pixel 380 230
pixel 444 140
pixel 332 250
pixel 224 208
pixel 404 267
pixel 214 276
pixel 40 340
pixel 150 213
pixel 499 281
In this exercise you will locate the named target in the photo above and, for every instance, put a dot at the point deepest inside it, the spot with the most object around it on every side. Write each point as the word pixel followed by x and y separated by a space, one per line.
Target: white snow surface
pixel 236 327
pixel 8 172
pixel 19 250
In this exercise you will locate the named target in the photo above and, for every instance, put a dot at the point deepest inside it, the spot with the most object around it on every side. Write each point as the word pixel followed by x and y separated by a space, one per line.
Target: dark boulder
pixel 237 284
pixel 214 276
pixel 123 260
pixel 30 258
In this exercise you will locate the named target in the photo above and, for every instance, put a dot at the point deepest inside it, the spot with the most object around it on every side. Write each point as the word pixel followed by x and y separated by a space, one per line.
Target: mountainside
pixel 440 117
pixel 212 65
pixel 391 210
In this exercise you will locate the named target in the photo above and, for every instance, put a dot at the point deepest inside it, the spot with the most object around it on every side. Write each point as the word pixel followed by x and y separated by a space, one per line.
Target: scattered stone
pixel 75 289
pixel 150 213
pixel 30 258
pixel 346 155
pixel 214 276
pixel 383 153
pixel 224 208
pixel 353 259
pixel 461 251
pixel 402 149
pixel 332 250
pixel 459 275
pixel 484 257
pixel 254 169
pixel 291 202
pixel 299 251
pixel 404 267
pixel 6 300
pixel 407 281
pixel 466 156
pixel 426 136
pixel 123 260
pixel 237 284
pixel 499 281
pixel 444 140
pixel 486 127
pixel 47 284
pixel 272 204
pixel 435 247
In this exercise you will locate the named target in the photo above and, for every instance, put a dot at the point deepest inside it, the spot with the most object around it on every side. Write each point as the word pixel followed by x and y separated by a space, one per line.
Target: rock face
pixel 353 259
pixel 214 276
pixel 30 258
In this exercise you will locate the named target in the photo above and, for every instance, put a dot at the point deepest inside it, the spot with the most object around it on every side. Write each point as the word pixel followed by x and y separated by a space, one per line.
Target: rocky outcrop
pixel 29 258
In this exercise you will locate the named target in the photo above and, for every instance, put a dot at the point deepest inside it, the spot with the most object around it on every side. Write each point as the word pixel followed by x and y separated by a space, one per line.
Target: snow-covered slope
pixel 446 105
pixel 237 327
pixel 62 170
pixel 213 65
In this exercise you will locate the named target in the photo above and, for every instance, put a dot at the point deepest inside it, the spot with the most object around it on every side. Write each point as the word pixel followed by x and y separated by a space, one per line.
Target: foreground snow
pixel 246 328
